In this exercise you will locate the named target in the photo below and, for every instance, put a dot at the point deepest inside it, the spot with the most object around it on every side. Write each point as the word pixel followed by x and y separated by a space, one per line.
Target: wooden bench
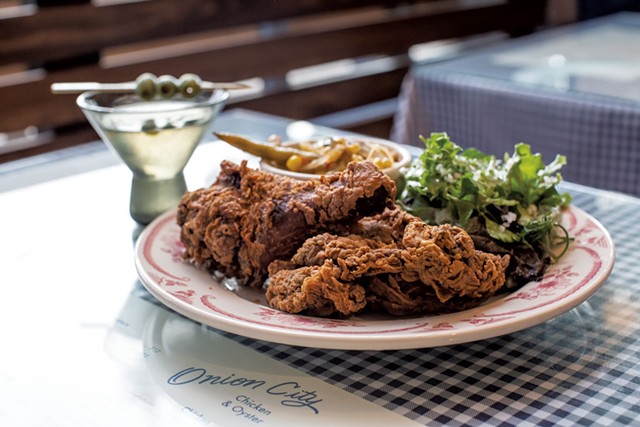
pixel 271 44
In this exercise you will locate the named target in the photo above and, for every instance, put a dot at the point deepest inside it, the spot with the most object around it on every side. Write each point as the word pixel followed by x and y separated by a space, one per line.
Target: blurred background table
pixel 574 90
pixel 80 332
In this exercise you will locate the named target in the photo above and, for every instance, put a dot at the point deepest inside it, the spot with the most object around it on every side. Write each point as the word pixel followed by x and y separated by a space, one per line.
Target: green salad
pixel 510 206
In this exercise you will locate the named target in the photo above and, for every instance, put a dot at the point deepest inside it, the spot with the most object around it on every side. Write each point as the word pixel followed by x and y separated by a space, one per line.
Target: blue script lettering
pixel 200 376
pixel 295 396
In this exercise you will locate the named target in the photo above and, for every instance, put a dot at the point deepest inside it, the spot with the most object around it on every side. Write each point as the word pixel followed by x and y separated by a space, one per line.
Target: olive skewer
pixel 78 87
pixel 147 86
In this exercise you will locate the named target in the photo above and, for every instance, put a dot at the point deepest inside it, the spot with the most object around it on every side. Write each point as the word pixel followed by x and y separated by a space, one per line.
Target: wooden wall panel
pixel 226 41
pixel 80 29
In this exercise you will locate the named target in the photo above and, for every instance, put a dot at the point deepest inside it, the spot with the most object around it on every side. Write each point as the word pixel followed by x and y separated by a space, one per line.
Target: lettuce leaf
pixel 516 198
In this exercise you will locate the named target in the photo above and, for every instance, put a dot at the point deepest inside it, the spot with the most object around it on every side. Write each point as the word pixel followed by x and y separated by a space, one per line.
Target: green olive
pixel 146 86
pixel 150 127
pixel 189 85
pixel 167 86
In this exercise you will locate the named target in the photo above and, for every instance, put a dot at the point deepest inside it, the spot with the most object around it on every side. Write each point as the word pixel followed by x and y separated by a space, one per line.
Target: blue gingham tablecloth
pixel 477 101
pixel 581 368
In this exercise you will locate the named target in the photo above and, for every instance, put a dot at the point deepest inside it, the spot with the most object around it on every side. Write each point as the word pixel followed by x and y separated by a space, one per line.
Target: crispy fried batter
pixel 335 246
pixel 445 258
pixel 315 290
pixel 248 218
pixel 427 269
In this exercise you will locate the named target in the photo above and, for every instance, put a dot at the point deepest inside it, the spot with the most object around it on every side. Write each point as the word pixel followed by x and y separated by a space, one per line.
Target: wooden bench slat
pixel 321 100
pixel 78 29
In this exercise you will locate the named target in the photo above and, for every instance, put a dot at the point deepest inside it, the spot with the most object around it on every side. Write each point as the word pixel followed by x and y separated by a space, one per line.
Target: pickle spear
pixel 277 153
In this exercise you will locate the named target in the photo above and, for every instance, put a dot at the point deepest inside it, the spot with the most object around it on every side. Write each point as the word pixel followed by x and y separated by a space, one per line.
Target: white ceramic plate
pixel 205 299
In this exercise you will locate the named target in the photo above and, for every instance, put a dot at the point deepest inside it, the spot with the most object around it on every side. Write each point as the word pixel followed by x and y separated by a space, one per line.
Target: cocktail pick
pixel 79 87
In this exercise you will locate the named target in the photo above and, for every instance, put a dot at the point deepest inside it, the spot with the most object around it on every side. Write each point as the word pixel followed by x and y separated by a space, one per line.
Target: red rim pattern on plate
pixel 185 288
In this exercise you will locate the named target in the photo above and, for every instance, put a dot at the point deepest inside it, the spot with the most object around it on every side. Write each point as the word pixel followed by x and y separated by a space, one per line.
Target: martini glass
pixel 155 139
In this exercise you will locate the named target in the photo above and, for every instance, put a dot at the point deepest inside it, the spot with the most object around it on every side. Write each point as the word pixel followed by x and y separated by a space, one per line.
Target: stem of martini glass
pixel 151 197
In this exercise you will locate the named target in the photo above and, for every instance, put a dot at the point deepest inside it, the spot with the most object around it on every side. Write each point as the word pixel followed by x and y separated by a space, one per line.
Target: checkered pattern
pixel 479 105
pixel 601 140
pixel 581 368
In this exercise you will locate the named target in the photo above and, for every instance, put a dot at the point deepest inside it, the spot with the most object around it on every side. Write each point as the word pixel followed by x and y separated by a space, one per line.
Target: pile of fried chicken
pixel 335 246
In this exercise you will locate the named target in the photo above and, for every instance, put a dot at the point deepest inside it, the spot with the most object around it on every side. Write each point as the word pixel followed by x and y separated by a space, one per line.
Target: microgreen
pixel 514 199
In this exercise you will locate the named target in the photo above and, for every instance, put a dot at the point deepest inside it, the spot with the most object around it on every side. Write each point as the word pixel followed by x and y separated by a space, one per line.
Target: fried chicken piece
pixel 354 255
pixel 410 270
pixel 314 290
pixel 387 227
pixel 445 258
pixel 249 218
pixel 391 295
pixel 322 278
